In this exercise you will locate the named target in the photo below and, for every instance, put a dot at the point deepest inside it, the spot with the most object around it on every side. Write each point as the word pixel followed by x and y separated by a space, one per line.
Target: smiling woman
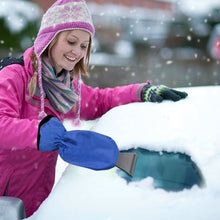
pixel 48 89
pixel 69 48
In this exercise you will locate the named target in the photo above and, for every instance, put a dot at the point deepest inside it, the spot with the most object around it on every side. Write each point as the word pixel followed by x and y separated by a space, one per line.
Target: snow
pixel 18 13
pixel 197 7
pixel 191 126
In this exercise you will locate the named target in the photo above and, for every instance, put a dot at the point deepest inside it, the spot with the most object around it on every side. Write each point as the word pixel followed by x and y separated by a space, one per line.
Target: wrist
pixel 144 93
pixel 50 133
pixel 149 92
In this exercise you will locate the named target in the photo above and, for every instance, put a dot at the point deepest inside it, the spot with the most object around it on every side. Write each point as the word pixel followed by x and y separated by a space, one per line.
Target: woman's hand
pixel 150 93
pixel 79 147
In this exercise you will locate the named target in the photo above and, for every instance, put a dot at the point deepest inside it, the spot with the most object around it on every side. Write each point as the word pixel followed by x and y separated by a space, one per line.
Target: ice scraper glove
pixel 152 93
pixel 79 147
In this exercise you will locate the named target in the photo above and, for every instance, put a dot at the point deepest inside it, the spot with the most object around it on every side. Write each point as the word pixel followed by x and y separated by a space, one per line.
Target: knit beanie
pixel 62 15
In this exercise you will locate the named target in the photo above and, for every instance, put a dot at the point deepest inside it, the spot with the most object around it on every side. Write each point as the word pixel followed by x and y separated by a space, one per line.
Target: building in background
pixel 148 4
pixel 135 40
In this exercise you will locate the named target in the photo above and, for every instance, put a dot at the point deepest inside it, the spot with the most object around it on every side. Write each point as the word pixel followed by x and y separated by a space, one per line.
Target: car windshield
pixel 170 171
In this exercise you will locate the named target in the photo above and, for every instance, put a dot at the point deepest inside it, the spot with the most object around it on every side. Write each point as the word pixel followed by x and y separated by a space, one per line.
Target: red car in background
pixel 214 43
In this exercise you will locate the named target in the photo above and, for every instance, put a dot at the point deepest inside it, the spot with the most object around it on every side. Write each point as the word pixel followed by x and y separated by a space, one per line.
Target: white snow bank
pixel 198 7
pixel 191 125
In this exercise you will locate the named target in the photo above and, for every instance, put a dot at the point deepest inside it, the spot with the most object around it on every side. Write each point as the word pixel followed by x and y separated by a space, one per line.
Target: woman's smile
pixel 71 59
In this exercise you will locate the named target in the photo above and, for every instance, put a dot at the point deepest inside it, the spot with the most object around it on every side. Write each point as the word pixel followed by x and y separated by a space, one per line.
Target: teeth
pixel 71 58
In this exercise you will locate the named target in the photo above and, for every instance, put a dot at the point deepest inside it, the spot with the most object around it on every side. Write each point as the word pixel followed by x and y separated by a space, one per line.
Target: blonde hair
pixel 80 68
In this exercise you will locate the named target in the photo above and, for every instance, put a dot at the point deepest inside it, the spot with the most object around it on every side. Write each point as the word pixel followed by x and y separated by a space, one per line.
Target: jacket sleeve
pixel 15 132
pixel 95 101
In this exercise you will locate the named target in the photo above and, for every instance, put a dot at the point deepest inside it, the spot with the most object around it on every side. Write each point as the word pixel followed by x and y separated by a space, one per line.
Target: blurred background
pixel 171 42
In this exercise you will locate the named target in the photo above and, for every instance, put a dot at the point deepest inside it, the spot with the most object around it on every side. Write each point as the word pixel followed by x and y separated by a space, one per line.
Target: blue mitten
pixel 83 148
pixel 89 149
pixel 152 93
pixel 50 131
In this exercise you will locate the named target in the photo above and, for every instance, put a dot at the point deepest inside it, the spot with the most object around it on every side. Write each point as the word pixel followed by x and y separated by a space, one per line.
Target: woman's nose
pixel 76 51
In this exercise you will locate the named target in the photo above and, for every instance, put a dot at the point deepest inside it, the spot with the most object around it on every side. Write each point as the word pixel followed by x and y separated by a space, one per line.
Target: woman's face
pixel 69 48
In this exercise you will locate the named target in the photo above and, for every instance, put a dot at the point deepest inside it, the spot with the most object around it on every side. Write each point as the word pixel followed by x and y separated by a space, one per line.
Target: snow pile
pixel 197 7
pixel 18 13
pixel 191 126
pixel 188 126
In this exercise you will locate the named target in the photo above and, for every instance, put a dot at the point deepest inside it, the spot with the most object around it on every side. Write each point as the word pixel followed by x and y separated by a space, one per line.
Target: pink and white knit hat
pixel 62 15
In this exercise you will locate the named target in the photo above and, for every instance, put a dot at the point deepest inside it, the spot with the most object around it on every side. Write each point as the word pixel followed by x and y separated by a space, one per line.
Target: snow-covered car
pixel 186 132
pixel 177 170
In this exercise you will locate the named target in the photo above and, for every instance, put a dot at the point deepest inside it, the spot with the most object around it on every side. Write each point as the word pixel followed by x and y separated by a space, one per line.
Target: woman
pixel 36 97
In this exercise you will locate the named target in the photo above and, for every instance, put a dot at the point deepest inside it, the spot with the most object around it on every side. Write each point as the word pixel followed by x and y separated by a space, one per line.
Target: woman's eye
pixel 71 42
pixel 84 46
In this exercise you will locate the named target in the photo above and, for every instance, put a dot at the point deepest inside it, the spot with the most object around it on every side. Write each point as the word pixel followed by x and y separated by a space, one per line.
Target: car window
pixel 170 171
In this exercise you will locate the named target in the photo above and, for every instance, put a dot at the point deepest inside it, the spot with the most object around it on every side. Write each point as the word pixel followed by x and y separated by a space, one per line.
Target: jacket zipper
pixel 6 190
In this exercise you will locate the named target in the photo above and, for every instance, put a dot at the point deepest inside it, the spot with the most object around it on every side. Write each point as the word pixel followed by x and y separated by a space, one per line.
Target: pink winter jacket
pixel 28 172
